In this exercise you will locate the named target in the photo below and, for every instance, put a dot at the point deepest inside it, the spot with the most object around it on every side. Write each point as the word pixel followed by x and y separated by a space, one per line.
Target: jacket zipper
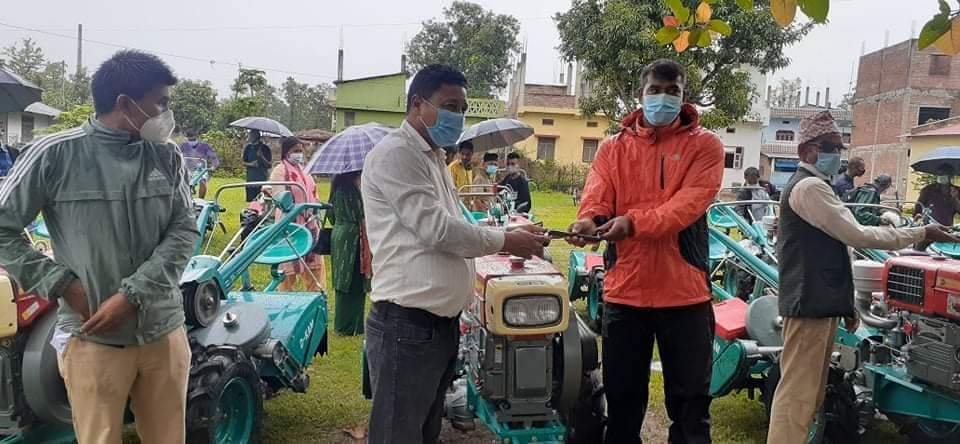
pixel 662 158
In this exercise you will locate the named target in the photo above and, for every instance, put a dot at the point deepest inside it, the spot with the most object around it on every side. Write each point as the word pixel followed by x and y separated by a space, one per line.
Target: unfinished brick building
pixel 898 88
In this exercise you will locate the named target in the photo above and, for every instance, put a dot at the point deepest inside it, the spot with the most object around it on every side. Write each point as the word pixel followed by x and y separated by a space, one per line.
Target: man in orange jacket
pixel 648 191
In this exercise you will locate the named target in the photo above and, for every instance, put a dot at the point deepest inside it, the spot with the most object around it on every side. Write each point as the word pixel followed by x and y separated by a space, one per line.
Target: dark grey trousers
pixel 412 356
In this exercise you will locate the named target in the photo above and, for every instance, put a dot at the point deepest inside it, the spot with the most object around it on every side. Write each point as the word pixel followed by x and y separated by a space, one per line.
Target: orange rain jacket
pixel 664 180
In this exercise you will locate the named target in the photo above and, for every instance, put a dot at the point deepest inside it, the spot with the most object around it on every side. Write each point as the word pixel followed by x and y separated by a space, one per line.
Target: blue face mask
pixel 491 169
pixel 661 109
pixel 828 163
pixel 448 128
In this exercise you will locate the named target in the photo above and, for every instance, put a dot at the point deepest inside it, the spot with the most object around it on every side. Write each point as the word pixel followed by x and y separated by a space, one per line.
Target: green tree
pixel 307 104
pixel 615 39
pixel 60 90
pixel 250 83
pixel 472 39
pixel 194 103
pixel 71 118
pixel 25 60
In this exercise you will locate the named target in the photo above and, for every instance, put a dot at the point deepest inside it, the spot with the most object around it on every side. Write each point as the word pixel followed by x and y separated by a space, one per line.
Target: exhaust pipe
pixel 862 304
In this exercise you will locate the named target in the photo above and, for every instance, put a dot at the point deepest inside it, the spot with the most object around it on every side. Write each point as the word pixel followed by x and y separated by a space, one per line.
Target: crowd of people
pixel 398 234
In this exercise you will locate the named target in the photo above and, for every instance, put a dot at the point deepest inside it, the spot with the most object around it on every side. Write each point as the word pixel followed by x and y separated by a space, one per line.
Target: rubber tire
pixel 587 420
pixel 595 324
pixel 915 433
pixel 769 387
pixel 839 399
pixel 210 373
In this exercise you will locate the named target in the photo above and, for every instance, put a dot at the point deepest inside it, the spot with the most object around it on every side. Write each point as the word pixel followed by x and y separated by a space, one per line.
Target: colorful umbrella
pixel 344 153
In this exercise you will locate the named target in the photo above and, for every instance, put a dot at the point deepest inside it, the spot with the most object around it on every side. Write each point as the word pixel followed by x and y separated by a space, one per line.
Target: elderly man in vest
pixel 816 283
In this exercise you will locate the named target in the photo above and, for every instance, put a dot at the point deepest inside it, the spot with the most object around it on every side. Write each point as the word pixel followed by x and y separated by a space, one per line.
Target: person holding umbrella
pixel 942 197
pixel 310 267
pixel 461 169
pixel 257 158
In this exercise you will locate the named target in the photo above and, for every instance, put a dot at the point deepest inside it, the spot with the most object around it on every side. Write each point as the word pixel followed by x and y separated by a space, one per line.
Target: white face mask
pixel 296 158
pixel 157 129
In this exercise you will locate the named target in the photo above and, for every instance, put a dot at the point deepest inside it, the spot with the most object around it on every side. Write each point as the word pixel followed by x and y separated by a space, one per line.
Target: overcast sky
pixel 205 39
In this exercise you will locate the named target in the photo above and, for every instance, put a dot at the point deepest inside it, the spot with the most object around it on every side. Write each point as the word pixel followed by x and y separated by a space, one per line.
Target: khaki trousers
pixel 804 365
pixel 100 379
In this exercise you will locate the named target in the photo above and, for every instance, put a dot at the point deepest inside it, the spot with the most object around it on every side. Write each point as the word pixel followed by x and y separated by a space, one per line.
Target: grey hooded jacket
pixel 119 213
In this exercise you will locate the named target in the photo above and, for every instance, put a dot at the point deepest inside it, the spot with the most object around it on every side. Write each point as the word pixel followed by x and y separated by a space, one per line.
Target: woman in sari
pixel 310 269
pixel 349 254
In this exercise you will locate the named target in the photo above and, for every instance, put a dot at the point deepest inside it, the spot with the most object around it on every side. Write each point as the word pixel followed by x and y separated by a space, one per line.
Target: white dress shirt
pixel 422 246
pixel 815 202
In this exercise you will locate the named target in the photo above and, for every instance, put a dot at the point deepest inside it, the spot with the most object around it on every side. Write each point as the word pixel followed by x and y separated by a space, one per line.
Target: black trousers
pixel 412 356
pixel 684 337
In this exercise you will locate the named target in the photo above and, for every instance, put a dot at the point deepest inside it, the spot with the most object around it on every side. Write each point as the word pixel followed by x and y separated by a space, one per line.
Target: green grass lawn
pixel 334 401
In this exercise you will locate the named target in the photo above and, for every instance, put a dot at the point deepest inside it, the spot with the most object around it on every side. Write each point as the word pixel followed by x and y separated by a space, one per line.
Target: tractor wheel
pixel 595 316
pixel 770 387
pixel 587 420
pixel 836 421
pixel 224 398
pixel 923 431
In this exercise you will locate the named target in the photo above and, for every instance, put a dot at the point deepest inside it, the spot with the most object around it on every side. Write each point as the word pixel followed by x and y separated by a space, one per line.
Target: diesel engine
pixel 926 290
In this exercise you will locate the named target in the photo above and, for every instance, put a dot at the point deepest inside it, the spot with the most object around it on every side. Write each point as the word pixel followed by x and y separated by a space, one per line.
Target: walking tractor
pixel 246 345
pixel 903 363
pixel 528 365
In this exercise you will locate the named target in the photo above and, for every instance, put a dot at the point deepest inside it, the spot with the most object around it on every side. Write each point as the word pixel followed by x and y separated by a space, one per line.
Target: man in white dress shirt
pixel 423 271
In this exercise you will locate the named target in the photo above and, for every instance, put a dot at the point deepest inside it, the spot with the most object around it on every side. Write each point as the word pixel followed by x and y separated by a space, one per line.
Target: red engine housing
pixel 30 306
pixel 922 284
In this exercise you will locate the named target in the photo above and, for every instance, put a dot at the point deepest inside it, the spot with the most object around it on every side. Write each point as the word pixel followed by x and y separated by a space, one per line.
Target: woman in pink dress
pixel 290 169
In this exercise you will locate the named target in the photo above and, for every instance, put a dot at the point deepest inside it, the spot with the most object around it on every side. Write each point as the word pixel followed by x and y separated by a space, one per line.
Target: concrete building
pixel 742 141
pixel 899 88
pixel 383 99
pixel 18 128
pixel 778 152
pixel 562 133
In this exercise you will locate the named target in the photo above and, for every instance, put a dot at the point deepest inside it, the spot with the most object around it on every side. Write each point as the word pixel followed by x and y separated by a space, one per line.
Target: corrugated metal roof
pixel 42 109
pixel 806 111
pixel 952 129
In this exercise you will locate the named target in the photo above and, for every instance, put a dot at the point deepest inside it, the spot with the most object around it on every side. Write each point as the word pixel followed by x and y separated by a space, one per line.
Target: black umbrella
pixel 263 124
pixel 945 160
pixel 16 94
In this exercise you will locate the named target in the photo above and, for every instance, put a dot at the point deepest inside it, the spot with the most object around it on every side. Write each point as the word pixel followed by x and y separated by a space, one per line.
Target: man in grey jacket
pixel 118 208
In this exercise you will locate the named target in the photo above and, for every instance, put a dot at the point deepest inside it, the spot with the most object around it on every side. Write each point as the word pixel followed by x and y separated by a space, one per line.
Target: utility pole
pixel 79 48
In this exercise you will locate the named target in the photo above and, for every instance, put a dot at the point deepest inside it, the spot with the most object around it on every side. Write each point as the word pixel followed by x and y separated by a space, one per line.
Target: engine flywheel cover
pixel 244 325
pixel 42 385
pixel 763 321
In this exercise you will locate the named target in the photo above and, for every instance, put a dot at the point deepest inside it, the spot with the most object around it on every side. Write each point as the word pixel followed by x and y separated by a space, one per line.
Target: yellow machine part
pixel 500 289
pixel 8 308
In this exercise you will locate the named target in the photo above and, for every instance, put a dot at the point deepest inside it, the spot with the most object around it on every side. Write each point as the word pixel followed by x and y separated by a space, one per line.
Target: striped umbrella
pixel 344 152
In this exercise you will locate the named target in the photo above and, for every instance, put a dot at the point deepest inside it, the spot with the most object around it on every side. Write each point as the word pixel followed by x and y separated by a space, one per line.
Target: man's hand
pixel 939 233
pixel 530 228
pixel 585 227
pixel 851 324
pixel 616 229
pixel 76 298
pixel 524 243
pixel 110 315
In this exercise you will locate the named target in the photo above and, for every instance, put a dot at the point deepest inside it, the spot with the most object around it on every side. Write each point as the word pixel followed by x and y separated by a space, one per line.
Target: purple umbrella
pixel 344 153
